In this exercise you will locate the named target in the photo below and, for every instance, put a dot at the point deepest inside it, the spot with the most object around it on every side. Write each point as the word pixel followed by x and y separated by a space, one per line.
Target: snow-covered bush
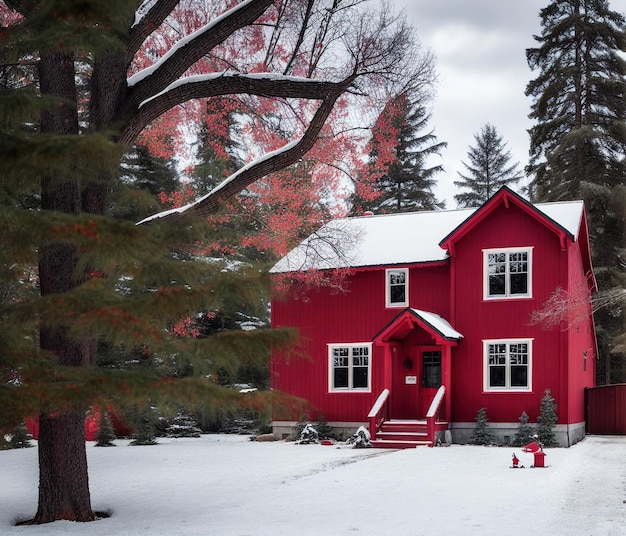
pixel 361 439
pixel 308 435
pixel 183 425
pixel 20 438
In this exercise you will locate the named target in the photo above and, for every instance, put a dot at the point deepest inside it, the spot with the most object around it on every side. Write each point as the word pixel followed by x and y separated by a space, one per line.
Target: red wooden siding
pixel 606 409
pixel 326 317
pixel 479 319
pixel 582 351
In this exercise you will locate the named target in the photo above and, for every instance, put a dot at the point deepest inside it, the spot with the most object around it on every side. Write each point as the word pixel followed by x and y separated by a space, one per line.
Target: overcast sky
pixel 480 49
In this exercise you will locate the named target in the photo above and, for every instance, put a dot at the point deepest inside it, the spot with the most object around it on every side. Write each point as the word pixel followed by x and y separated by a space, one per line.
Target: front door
pixel 405 390
pixel 430 380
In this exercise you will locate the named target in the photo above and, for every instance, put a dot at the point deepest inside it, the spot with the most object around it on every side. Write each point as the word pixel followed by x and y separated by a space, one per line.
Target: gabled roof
pixel 562 218
pixel 414 237
pixel 439 328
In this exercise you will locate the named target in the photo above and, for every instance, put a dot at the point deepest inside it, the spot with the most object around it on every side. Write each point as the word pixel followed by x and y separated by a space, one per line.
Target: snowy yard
pixel 227 485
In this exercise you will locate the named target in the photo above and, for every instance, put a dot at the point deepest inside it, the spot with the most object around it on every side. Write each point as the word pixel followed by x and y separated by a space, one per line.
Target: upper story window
pixel 397 293
pixel 507 273
pixel 507 365
pixel 349 367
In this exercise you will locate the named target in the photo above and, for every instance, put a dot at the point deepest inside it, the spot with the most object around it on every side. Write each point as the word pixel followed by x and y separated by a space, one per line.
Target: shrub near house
pixel 434 322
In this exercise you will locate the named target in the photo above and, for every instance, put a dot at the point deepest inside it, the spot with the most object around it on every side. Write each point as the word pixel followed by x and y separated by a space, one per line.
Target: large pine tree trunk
pixel 63 480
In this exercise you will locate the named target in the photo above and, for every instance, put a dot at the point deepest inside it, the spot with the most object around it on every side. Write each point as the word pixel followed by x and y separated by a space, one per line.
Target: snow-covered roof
pixel 391 239
pixel 439 324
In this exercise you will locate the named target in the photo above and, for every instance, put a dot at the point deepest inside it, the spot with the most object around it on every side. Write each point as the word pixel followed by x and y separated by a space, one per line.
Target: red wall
pixel 479 319
pixel 357 315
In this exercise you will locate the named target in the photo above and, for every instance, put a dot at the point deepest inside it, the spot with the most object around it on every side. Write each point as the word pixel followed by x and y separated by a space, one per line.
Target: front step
pixel 402 434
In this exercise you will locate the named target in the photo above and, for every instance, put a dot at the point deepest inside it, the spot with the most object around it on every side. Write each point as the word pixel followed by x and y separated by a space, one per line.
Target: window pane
pixel 431 369
pixel 519 283
pixel 397 286
pixel 340 378
pixel 496 285
pixel 359 380
pixel 519 376
pixel 397 294
pixel 497 376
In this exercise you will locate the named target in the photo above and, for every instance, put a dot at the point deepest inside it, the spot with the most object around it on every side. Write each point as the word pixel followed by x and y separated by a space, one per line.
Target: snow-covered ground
pixel 228 485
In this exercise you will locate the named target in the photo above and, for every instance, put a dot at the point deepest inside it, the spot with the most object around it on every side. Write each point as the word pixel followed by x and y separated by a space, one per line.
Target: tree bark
pixel 63 476
pixel 63 480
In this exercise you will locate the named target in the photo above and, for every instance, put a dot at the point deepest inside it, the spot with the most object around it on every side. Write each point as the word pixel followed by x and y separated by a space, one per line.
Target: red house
pixel 432 322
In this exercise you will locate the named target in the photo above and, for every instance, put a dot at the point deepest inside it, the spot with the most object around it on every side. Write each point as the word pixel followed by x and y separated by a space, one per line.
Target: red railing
pixel 434 411
pixel 379 413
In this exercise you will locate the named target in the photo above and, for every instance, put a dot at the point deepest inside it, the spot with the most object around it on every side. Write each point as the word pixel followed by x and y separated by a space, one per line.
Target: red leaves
pixel 67 231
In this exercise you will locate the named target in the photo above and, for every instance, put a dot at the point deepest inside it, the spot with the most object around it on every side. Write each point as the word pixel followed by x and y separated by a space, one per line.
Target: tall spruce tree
pixel 399 152
pixel 489 169
pixel 69 111
pixel 578 142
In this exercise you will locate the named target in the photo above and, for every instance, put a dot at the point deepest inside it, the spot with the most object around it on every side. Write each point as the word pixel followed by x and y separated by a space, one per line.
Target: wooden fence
pixel 606 409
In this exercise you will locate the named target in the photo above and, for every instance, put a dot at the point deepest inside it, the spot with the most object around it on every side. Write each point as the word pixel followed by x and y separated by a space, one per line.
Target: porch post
pixel 446 379
pixel 389 351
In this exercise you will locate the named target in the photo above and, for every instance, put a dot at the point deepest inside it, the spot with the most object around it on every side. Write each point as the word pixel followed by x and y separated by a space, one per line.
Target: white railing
pixel 379 413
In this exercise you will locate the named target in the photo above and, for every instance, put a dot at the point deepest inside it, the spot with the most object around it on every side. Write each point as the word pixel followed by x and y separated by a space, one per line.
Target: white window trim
pixel 507 295
pixel 388 303
pixel 507 388
pixel 349 389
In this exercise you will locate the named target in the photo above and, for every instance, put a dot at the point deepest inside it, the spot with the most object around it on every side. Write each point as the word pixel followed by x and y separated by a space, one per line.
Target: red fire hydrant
pixel 538 453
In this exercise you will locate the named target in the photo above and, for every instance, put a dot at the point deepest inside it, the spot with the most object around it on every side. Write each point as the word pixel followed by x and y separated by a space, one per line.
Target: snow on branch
pixel 269 163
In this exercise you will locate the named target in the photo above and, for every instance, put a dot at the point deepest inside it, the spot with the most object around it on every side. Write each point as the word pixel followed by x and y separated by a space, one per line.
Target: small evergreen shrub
pixel 482 434
pixel 298 428
pixel 105 434
pixel 145 433
pixel 183 425
pixel 308 435
pixel 546 422
pixel 525 432
pixel 361 439
pixel 20 438
pixel 324 430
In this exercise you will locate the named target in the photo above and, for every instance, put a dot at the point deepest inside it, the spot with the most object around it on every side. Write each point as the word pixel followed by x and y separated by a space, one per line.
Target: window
pixel 431 369
pixel 397 287
pixel 508 365
pixel 507 273
pixel 349 367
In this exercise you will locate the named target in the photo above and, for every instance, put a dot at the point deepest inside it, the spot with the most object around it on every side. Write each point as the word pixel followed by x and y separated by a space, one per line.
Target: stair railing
pixel 432 417
pixel 379 413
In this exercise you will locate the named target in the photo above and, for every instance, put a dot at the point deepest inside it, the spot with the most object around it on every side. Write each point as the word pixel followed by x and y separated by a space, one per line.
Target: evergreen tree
pixel 488 171
pixel 578 142
pixel 482 434
pixel 145 171
pixel 399 153
pixel 106 433
pixel 20 438
pixel 216 155
pixel 145 426
pixel 183 425
pixel 69 111
pixel 546 422
pixel 524 434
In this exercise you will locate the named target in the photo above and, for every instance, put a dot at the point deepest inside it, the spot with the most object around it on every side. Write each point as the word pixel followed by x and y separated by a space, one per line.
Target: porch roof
pixel 438 327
